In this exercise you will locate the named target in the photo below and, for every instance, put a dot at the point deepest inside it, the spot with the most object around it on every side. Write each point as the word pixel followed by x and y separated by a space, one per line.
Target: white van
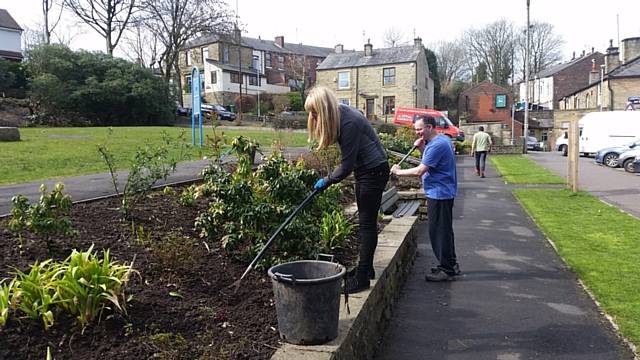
pixel 599 130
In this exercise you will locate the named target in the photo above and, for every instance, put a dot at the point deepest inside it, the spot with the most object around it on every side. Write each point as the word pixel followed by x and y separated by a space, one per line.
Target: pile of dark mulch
pixel 201 318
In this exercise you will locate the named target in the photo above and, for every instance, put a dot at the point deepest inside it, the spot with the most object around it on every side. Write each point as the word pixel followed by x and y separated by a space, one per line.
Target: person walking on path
pixel 362 154
pixel 438 171
pixel 480 147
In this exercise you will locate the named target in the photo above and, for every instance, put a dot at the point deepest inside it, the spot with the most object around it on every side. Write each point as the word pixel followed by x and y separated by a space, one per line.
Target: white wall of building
pixel 540 92
pixel 10 40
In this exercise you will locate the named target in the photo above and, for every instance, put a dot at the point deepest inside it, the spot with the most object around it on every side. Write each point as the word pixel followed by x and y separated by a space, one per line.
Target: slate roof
pixel 630 69
pixel 395 55
pixel 6 21
pixel 557 68
pixel 265 45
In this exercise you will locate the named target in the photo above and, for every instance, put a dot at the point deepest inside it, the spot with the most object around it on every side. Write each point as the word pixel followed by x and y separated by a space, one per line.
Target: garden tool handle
pixel 407 154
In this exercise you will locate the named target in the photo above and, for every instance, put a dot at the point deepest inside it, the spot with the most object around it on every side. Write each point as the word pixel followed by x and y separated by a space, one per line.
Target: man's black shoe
pixel 355 284
pixel 439 276
pixel 456 270
pixel 352 273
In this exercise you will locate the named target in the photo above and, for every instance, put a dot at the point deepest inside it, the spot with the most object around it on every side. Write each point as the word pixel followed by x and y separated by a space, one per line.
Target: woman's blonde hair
pixel 324 116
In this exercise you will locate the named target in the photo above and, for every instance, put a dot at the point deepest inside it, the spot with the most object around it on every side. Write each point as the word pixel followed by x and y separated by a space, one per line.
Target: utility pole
pixel 239 40
pixel 526 88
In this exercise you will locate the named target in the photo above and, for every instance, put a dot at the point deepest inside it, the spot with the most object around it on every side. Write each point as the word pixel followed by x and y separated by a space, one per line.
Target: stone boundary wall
pixel 359 331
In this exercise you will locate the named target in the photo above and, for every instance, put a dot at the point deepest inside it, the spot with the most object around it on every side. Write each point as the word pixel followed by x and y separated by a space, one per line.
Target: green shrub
pixel 37 293
pixel 386 128
pixel 8 300
pixel 334 230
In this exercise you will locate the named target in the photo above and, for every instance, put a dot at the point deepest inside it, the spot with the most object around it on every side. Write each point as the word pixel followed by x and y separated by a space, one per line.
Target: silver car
pixel 626 159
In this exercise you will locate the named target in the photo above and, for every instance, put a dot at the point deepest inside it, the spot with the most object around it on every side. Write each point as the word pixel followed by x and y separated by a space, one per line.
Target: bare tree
pixel 493 45
pixel 32 37
pixel 109 18
pixel 451 57
pixel 545 47
pixel 141 45
pixel 48 27
pixel 394 37
pixel 175 22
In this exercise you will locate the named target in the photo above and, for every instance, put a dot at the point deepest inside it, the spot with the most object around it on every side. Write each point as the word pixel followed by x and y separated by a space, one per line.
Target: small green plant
pixel 149 165
pixel 246 150
pixel 86 285
pixel 328 158
pixel 37 293
pixel 49 216
pixel 8 300
pixel 140 235
pixel 335 228
pixel 188 196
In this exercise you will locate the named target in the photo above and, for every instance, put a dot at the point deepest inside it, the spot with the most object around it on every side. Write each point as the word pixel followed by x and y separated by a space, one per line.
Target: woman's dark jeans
pixel 370 185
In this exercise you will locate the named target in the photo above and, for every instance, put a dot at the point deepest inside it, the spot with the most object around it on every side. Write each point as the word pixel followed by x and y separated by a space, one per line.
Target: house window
pixel 501 101
pixel 253 80
pixel 345 101
pixel 214 77
pixel 389 104
pixel 267 60
pixel 256 62
pixel 205 54
pixel 188 57
pixel 280 62
pixel 235 77
pixel 187 84
pixel 344 80
pixel 225 53
pixel 389 76
pixel 545 135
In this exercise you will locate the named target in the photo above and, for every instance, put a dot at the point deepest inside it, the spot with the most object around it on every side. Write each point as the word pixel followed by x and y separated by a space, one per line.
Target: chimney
pixel 574 56
pixel 417 43
pixel 612 58
pixel 629 49
pixel 583 52
pixel 280 41
pixel 368 48
pixel 594 76
pixel 338 49
pixel 593 49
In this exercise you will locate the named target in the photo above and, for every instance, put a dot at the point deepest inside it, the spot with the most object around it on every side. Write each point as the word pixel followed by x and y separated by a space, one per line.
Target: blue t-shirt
pixel 440 181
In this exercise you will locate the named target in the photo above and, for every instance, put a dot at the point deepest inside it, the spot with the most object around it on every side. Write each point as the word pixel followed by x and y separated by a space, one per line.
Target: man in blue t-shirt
pixel 438 172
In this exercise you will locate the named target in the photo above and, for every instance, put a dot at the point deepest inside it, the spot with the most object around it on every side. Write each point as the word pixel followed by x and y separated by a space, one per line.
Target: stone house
pixel 255 67
pixel 379 80
pixel 548 87
pixel 10 37
pixel 613 84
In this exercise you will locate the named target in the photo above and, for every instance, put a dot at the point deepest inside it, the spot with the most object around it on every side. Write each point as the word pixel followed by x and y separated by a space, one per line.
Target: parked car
pixel 183 111
pixel 533 144
pixel 627 158
pixel 609 156
pixel 636 165
pixel 220 112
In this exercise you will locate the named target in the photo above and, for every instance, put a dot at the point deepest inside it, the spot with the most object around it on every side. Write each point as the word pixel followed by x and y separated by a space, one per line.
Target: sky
pixel 581 24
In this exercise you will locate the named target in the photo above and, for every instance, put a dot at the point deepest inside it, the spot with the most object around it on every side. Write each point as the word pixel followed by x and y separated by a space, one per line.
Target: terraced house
pixel 255 66
pixel 10 37
pixel 379 80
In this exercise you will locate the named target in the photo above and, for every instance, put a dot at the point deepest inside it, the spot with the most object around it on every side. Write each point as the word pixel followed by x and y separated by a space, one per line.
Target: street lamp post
pixel 526 88
pixel 601 84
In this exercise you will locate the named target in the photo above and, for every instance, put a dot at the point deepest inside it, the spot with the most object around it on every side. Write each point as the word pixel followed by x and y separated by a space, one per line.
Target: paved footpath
pixel 87 187
pixel 516 299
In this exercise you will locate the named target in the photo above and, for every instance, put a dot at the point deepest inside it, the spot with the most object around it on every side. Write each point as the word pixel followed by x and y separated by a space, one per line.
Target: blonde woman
pixel 362 154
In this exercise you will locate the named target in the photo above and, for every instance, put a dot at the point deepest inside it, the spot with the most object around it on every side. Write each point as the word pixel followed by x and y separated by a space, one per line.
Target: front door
pixel 370 109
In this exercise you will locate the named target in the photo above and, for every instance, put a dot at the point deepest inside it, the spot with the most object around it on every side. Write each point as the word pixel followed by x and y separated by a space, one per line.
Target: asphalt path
pixel 87 187
pixel 613 186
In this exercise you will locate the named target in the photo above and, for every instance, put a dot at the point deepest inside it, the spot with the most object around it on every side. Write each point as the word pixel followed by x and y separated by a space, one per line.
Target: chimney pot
pixel 417 42
pixel 338 49
pixel 368 49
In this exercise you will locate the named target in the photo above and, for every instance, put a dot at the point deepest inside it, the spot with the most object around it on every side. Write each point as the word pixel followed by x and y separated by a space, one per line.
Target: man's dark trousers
pixel 440 215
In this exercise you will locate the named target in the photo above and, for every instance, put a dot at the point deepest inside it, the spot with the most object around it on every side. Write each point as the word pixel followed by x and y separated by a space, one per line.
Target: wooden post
pixel 575 125
pixel 569 149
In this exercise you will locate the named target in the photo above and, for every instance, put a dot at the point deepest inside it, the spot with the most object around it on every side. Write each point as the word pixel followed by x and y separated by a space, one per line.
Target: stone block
pixel 9 134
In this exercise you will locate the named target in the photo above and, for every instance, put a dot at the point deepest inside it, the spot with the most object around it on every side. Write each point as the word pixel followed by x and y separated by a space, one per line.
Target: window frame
pixel 348 80
pixel 386 101
pixel 214 77
pixel 387 79
pixel 234 75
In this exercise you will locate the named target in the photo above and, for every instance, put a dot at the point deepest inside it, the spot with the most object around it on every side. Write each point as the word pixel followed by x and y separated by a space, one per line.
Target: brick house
pixel 10 37
pixel 548 87
pixel 611 88
pixel 484 102
pixel 378 80
pixel 257 66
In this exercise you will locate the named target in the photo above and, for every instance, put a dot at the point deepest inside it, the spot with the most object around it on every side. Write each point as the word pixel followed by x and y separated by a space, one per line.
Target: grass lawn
pixel 45 153
pixel 601 244
pixel 517 169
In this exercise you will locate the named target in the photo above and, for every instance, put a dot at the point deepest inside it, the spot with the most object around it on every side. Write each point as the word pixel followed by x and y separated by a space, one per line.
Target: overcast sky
pixel 325 23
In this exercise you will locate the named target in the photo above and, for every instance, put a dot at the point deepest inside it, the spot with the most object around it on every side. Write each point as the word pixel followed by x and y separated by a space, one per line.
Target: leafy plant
pixel 140 235
pixel 86 285
pixel 8 300
pixel 328 158
pixel 246 150
pixel 149 165
pixel 47 217
pixel 334 230
pixel 188 196
pixel 37 293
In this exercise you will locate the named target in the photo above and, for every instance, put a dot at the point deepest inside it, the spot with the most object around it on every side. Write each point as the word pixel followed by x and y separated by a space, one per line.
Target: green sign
pixel 501 101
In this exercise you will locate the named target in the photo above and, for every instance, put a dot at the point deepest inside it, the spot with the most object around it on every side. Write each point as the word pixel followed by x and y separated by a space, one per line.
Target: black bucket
pixel 307 298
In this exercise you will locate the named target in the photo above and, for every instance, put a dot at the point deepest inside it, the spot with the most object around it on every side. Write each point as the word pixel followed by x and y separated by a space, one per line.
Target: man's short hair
pixel 481 128
pixel 428 120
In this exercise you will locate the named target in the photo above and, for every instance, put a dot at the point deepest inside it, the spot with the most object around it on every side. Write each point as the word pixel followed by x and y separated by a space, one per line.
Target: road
pixel 613 186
